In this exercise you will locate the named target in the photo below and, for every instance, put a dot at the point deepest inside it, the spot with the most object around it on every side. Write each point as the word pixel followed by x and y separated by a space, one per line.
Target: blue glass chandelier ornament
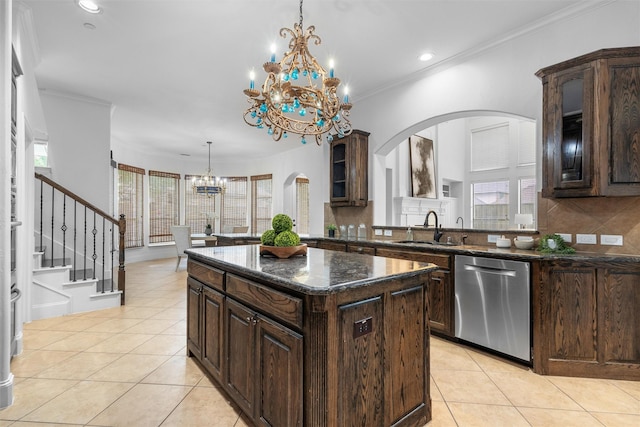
pixel 298 95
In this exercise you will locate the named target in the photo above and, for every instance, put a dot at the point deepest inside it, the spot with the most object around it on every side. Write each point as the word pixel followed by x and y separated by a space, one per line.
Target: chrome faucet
pixel 460 219
pixel 436 234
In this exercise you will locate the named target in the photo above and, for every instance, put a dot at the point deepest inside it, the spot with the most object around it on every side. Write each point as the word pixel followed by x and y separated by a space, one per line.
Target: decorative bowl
pixel 523 244
pixel 283 251
pixel 503 242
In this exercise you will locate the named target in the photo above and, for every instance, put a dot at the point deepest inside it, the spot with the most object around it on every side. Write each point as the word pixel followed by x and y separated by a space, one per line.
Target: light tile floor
pixel 127 367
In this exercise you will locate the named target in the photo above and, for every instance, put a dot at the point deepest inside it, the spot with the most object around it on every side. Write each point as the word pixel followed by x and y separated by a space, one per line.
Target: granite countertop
pixel 472 250
pixel 319 272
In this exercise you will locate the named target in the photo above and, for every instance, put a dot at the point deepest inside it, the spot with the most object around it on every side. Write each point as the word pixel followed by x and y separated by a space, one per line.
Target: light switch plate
pixel 566 237
pixel 377 232
pixel 492 238
pixel 611 239
pixel 388 232
pixel 587 239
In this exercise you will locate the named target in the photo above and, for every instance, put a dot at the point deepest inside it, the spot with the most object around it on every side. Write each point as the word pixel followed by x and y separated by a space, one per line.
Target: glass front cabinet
pixel 591 125
pixel 349 170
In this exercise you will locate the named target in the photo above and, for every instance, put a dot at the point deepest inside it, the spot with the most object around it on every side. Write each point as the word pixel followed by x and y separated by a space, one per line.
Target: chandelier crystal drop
pixel 298 95
pixel 209 185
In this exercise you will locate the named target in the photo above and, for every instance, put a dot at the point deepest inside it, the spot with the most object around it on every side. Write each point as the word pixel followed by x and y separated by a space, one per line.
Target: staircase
pixel 74 260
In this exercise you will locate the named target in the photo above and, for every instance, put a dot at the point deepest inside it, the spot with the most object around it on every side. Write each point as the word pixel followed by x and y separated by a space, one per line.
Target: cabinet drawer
pixel 442 261
pixel 208 275
pixel 280 305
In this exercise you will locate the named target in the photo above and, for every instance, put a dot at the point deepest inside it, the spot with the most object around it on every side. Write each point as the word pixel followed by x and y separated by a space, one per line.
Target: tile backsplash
pixel 349 215
pixel 593 215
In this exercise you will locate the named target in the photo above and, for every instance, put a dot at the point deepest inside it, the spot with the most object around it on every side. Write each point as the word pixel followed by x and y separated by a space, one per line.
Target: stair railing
pixel 92 252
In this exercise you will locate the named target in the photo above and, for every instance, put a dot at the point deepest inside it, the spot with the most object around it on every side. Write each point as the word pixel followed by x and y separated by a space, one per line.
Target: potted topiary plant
pixel 331 228
pixel 281 241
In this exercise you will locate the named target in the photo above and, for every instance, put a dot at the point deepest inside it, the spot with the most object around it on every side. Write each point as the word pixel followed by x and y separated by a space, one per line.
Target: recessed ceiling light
pixel 425 56
pixel 89 26
pixel 89 6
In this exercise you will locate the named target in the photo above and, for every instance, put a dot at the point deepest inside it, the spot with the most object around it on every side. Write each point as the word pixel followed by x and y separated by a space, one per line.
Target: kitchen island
pixel 326 339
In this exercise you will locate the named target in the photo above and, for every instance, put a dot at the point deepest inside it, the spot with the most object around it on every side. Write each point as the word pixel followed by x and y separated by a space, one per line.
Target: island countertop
pixel 319 272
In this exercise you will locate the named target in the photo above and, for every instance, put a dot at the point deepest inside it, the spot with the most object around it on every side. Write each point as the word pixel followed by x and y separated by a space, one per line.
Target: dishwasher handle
pixel 490 270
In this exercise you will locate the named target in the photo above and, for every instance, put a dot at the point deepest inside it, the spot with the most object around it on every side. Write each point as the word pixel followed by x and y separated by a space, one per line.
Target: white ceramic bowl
pixel 523 244
pixel 503 243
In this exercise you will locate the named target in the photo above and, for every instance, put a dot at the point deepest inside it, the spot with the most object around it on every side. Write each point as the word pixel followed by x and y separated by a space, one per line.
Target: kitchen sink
pixel 428 242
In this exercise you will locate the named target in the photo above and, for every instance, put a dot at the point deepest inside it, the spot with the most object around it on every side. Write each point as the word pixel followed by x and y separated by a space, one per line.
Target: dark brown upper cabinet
pixel 591 125
pixel 349 184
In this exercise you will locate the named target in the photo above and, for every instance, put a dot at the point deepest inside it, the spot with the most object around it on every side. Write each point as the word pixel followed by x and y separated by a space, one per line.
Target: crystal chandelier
pixel 207 184
pixel 298 95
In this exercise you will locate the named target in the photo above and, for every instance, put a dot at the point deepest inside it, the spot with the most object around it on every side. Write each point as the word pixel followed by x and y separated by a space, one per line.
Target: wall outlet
pixel 587 239
pixel 388 233
pixel 611 239
pixel 565 237
pixel 492 238
pixel 377 232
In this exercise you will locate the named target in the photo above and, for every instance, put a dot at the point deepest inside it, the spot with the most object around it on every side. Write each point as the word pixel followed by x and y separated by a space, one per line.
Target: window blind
pixel 199 210
pixel 490 148
pixel 302 205
pixel 261 203
pixel 233 204
pixel 130 192
pixel 164 205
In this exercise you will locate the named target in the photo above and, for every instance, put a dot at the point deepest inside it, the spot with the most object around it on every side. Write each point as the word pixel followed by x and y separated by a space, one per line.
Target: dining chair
pixel 182 239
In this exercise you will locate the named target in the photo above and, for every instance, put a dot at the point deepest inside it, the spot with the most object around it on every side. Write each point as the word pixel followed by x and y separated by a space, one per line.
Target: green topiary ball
pixel 268 237
pixel 287 238
pixel 282 222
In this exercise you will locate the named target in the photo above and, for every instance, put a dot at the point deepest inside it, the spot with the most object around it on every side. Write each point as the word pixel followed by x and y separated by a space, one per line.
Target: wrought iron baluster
pixel 53 196
pixel 41 212
pixel 113 248
pixel 64 229
pixel 94 256
pixel 84 254
pixel 75 236
pixel 103 249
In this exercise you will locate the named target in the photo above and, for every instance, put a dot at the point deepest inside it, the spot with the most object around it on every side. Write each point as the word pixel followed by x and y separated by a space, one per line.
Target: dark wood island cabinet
pixel 327 339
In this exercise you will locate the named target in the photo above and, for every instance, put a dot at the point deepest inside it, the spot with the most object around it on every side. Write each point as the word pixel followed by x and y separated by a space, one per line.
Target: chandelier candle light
pixel 207 184
pixel 298 95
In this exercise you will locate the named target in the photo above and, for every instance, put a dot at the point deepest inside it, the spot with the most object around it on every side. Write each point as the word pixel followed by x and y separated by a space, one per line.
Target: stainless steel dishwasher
pixel 493 304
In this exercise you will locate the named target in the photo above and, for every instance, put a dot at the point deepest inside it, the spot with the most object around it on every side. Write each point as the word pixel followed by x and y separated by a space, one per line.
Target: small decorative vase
pixel 332 233
pixel 208 231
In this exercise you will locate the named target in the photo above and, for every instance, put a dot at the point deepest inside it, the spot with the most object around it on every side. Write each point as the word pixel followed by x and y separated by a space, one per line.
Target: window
pixel 527 197
pixel 490 204
pixel 40 154
pixel 490 148
pixel 130 203
pixel 260 203
pixel 199 210
pixel 233 205
pixel 164 205
pixel 302 205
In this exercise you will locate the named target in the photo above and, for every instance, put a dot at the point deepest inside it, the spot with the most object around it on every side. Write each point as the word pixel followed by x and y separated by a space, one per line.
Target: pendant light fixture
pixel 208 184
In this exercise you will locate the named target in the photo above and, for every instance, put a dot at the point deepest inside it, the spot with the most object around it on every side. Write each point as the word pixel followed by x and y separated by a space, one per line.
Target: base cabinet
pixel 588 320
pixel 264 367
pixel 296 359
pixel 440 291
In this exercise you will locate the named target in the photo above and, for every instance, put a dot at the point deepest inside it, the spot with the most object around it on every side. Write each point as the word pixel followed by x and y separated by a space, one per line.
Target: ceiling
pixel 174 70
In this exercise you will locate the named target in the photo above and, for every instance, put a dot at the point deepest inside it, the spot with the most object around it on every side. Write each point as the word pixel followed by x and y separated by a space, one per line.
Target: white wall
pixel 79 145
pixel 500 79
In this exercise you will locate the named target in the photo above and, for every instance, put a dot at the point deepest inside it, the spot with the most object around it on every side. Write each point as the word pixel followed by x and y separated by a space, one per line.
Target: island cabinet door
pixel 194 320
pixel 213 315
pixel 279 375
pixel 440 302
pixel 239 350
